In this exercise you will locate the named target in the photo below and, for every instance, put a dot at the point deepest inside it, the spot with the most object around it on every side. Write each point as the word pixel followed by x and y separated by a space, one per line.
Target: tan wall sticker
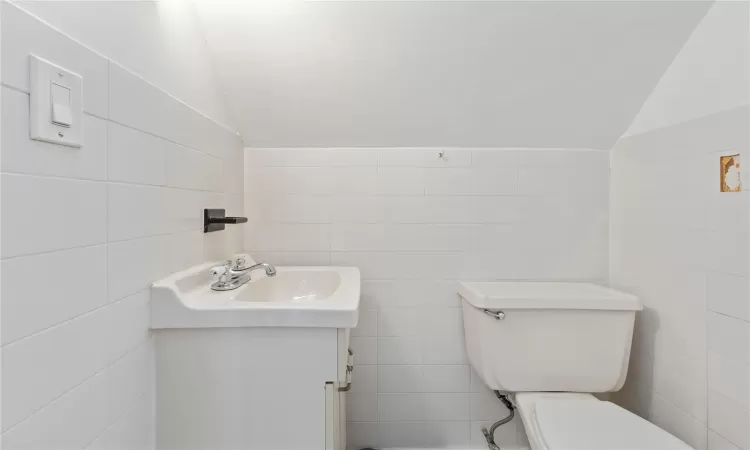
pixel 730 173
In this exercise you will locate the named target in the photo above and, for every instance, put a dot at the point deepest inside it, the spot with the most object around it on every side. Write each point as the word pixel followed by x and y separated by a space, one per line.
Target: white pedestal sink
pixel 260 367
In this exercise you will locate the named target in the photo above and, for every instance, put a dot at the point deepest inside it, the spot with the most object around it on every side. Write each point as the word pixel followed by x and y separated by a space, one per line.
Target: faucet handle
pixel 242 261
pixel 220 272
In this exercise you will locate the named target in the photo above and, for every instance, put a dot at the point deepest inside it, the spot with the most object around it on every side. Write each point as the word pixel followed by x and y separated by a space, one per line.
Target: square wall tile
pixel 77 208
pixel 23 155
pixel 729 419
pixel 73 351
pixel 136 157
pixel 423 407
pixel 71 421
pixel 729 295
pixel 29 306
pixel 729 336
pixel 443 434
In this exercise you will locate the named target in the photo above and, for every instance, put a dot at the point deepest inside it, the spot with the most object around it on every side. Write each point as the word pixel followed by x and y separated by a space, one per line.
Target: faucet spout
pixel 234 277
pixel 269 269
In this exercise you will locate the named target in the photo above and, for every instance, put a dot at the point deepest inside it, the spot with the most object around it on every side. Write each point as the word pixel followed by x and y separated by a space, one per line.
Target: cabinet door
pixel 342 420
pixel 335 418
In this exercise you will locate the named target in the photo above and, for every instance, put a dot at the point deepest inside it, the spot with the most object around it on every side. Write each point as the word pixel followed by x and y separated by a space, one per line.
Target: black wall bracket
pixel 216 220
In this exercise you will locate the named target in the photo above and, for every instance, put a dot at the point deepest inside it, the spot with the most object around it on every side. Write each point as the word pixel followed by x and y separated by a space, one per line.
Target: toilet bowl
pixel 551 345
pixel 563 421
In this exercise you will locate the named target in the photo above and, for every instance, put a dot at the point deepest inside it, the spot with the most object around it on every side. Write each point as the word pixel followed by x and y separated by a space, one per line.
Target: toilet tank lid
pixel 545 295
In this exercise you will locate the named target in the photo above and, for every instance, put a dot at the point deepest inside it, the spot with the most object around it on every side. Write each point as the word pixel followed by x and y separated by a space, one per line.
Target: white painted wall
pixel 434 73
pixel 84 233
pixel 160 40
pixel 415 225
pixel 708 75
pixel 1 212
pixel 682 246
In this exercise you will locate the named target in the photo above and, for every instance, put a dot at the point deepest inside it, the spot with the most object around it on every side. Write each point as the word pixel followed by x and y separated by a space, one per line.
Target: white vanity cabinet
pixel 251 388
pixel 263 366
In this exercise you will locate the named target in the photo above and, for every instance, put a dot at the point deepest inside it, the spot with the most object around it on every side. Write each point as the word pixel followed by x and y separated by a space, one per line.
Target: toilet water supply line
pixel 489 435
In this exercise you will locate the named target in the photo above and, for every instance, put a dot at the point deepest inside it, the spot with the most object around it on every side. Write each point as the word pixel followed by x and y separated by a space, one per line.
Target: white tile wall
pixel 84 233
pixel 682 247
pixel 124 210
pixel 415 224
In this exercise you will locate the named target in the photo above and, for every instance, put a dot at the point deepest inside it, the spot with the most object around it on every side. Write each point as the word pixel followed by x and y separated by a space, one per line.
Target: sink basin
pixel 292 286
pixel 295 297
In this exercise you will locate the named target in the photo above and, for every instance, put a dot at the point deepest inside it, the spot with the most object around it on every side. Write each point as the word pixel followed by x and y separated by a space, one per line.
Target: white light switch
pixel 61 114
pixel 56 104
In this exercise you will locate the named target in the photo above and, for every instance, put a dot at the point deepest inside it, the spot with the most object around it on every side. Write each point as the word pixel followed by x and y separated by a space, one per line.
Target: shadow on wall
pixel 636 395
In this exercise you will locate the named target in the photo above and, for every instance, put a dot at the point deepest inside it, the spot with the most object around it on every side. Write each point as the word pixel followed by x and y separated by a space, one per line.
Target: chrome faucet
pixel 240 266
pixel 232 275
pixel 270 270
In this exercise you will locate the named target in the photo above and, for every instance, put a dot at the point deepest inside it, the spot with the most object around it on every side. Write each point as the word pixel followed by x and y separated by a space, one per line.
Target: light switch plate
pixel 42 75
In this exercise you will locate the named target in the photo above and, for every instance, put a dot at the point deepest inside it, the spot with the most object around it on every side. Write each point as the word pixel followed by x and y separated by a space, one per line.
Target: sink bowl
pixel 292 286
pixel 295 297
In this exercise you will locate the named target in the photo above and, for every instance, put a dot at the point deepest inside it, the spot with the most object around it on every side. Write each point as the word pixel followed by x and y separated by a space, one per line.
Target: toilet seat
pixel 581 422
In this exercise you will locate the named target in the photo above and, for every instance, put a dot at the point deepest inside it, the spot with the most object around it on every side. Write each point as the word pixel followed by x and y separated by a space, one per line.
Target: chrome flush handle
pixel 498 315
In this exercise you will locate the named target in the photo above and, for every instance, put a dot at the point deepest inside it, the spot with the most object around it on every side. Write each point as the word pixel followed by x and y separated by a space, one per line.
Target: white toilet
pixel 552 345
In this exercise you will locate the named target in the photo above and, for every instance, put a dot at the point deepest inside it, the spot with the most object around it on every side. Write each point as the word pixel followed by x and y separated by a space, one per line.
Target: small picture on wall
pixel 730 173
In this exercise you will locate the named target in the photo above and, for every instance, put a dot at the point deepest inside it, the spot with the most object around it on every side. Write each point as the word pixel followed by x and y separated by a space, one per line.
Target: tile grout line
pixel 89 378
pixel 131 127
pixel 192 230
pixel 116 182
pixel 66 321
pixel 133 404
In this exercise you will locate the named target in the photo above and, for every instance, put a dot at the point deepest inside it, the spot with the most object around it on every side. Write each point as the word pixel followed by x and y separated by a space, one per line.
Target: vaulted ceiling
pixel 562 74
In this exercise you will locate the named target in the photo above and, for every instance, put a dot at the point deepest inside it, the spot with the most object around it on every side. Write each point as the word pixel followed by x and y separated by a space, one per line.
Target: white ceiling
pixel 436 73
pixel 708 75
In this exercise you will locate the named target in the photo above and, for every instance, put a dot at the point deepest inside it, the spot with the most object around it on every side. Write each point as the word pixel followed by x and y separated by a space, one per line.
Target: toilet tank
pixel 548 336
